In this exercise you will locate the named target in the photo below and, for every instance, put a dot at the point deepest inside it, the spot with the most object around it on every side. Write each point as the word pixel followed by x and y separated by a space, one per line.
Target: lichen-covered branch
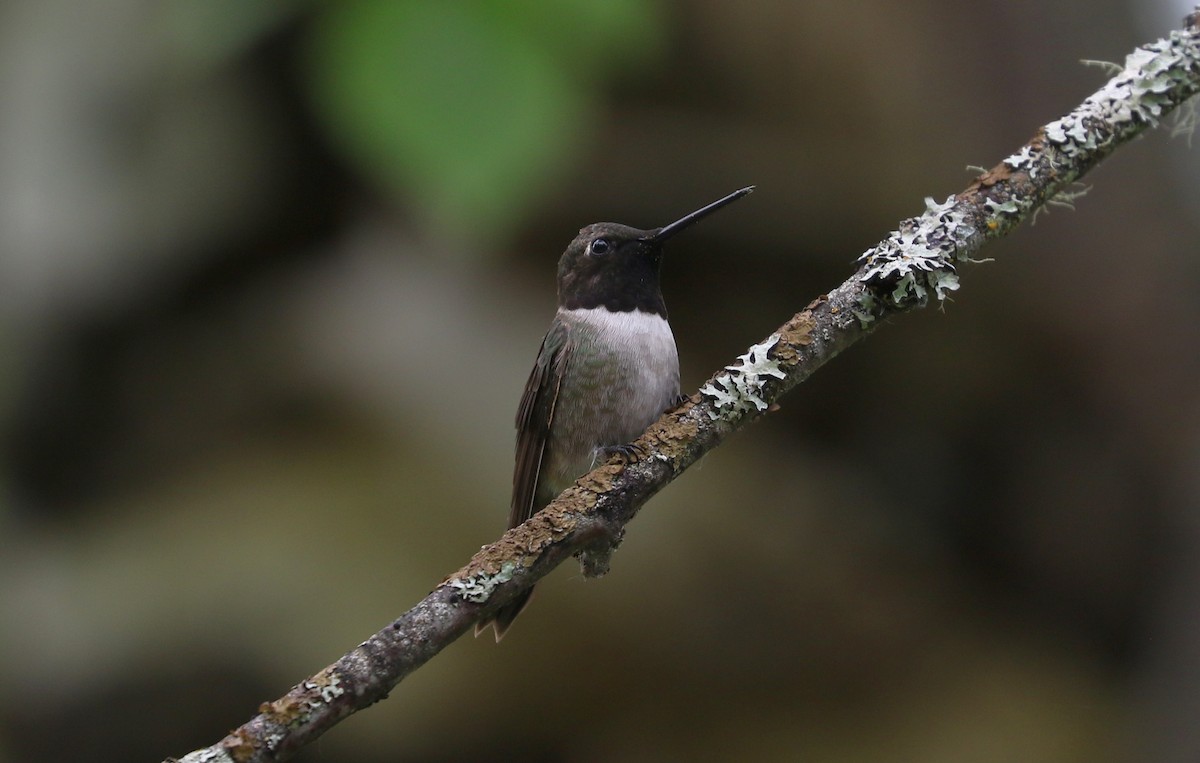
pixel 915 263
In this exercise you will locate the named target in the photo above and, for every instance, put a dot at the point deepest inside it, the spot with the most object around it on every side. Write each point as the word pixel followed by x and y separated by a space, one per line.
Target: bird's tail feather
pixel 504 616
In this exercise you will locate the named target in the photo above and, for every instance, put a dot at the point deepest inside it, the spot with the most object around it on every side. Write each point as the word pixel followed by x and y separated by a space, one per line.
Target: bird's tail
pixel 504 616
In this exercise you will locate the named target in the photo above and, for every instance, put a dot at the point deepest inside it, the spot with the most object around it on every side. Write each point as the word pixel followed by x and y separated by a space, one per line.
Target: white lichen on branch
pixel 478 588
pixel 740 388
pixel 918 258
pixel 214 754
pixel 1155 78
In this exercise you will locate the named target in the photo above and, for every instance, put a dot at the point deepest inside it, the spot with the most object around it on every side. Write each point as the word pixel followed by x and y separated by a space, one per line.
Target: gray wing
pixel 534 417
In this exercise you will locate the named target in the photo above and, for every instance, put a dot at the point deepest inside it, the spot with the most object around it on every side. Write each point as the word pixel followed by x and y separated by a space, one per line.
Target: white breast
pixel 644 335
pixel 638 351
pixel 622 373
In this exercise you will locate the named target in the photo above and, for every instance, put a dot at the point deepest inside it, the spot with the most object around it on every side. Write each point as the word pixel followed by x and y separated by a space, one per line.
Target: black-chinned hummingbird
pixel 607 368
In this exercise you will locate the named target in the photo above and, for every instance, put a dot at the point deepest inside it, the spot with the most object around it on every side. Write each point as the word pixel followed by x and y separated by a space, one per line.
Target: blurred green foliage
pixel 468 111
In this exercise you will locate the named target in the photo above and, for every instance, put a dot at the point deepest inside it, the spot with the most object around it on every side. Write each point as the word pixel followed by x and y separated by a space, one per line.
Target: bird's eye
pixel 599 246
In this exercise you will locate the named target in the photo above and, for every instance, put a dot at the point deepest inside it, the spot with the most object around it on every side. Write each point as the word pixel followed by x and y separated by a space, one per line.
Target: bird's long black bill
pixel 665 233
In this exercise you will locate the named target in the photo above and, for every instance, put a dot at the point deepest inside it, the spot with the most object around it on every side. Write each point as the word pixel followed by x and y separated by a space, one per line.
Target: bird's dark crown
pixel 612 266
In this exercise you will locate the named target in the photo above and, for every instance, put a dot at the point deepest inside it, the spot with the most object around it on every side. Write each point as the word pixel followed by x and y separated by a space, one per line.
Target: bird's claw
pixel 628 452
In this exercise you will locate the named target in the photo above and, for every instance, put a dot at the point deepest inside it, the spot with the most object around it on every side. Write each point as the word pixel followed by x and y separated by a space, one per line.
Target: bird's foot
pixel 628 452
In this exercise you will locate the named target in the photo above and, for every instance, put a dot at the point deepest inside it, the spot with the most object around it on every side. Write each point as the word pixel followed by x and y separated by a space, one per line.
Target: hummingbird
pixel 606 370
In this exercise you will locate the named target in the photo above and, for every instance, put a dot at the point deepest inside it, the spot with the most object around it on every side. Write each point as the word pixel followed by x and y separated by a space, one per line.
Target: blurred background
pixel 272 275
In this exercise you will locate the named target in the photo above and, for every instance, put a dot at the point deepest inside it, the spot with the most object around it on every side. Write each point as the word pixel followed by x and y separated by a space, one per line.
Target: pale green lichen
pixel 1009 207
pixel 918 259
pixel 741 388
pixel 478 588
pixel 1140 93
pixel 208 755
pixel 326 691
pixel 865 310
pixel 1025 160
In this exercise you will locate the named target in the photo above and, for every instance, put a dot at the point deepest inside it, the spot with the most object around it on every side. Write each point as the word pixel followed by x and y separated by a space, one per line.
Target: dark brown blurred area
pixel 253 407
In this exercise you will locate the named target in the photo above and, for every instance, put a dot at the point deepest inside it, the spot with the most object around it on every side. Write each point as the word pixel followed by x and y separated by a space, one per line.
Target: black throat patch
pixel 612 266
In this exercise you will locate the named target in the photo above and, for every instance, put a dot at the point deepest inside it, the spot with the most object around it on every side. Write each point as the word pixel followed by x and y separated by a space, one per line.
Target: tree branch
pixel 915 263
